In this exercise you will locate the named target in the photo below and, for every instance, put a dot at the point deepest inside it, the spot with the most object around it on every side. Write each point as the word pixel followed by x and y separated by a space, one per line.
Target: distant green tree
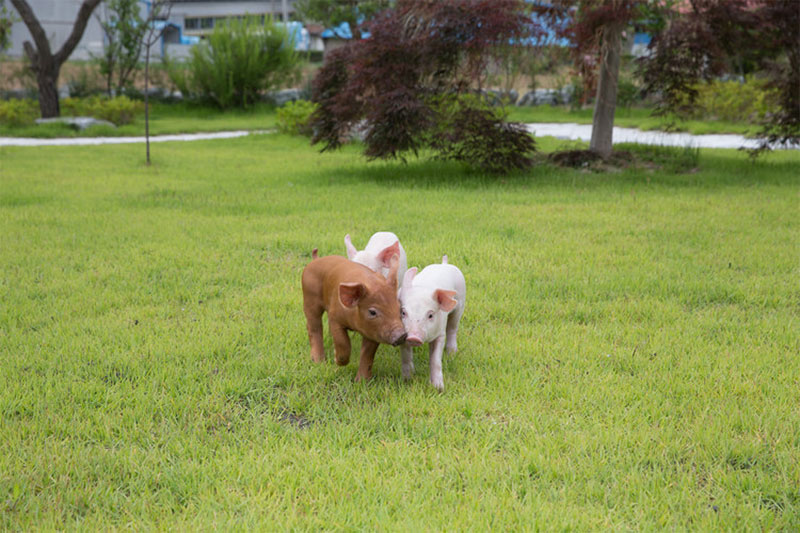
pixel 124 31
pixel 333 12
pixel 238 61
pixel 6 21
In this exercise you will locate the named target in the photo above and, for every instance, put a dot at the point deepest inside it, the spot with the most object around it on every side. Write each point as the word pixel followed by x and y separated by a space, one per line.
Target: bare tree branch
pixel 77 30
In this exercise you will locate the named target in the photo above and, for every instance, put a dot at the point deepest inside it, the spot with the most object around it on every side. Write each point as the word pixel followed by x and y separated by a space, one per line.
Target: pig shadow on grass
pixel 712 170
pixel 430 174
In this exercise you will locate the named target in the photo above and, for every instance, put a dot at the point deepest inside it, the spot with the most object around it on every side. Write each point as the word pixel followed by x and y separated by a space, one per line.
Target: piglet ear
pixel 385 255
pixel 408 278
pixel 351 250
pixel 394 264
pixel 351 293
pixel 445 299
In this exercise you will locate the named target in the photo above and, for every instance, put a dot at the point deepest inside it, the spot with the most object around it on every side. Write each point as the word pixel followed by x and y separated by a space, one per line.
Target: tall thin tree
pixel 595 28
pixel 159 9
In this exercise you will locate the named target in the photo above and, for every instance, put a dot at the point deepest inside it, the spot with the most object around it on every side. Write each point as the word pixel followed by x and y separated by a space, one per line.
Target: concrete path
pixel 583 132
pixel 82 141
pixel 560 131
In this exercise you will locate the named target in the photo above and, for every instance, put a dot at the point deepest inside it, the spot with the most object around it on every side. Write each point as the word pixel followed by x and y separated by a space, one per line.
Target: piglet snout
pixel 399 338
pixel 413 340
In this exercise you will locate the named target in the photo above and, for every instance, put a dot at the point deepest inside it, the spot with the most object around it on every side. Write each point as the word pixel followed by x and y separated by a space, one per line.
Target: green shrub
pixel 239 60
pixel 18 112
pixel 294 118
pixel 627 93
pixel 84 80
pixel 734 101
pixel 178 74
pixel 120 110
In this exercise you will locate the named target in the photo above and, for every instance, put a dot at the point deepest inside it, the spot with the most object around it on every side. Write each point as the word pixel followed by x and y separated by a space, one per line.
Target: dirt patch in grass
pixel 645 157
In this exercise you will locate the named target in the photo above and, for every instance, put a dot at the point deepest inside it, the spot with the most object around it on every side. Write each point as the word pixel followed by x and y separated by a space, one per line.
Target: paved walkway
pixel 560 131
pixel 631 135
pixel 82 141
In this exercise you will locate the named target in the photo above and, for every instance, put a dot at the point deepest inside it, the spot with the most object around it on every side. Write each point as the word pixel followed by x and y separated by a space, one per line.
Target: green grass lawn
pixel 628 356
pixel 189 118
pixel 164 119
pixel 632 117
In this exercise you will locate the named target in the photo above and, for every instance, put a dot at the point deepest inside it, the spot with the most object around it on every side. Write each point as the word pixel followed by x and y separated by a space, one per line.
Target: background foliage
pixel 119 110
pixel 124 31
pixel 387 86
pixel 238 61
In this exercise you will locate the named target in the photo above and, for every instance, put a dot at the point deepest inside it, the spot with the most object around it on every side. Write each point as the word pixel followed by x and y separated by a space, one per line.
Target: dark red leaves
pixel 389 85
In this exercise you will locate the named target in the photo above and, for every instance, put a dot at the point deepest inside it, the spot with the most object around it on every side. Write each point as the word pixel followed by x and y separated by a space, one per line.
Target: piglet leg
pixel 452 329
pixel 314 326
pixel 341 342
pixel 368 349
pixel 435 360
pixel 407 356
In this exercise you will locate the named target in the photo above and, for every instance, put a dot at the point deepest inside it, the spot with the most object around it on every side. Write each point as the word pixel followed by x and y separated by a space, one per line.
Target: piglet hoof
pixel 451 346
pixel 318 357
pixel 438 383
pixel 342 360
pixel 408 371
pixel 361 377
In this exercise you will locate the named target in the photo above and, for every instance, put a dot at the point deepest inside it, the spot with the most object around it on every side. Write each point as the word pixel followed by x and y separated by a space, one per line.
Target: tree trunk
pixel 44 62
pixel 606 100
pixel 147 100
pixel 48 92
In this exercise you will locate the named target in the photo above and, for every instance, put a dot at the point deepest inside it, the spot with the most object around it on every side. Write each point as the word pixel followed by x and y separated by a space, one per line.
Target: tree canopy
pixel 410 86
pixel 714 37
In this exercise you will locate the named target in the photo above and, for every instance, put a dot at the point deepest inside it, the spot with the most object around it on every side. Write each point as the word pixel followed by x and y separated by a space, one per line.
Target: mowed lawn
pixel 628 356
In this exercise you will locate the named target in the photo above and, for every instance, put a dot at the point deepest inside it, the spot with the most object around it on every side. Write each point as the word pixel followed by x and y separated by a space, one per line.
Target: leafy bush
pixel 120 110
pixel 627 93
pixel 239 60
pixel 84 81
pixel 734 101
pixel 18 112
pixel 478 138
pixel 405 87
pixel 294 118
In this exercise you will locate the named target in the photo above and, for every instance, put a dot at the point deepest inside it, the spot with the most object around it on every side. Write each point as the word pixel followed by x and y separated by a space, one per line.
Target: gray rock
pixel 527 99
pixel 280 98
pixel 358 132
pixel 156 92
pixel 567 93
pixel 78 123
pixel 17 94
pixel 544 97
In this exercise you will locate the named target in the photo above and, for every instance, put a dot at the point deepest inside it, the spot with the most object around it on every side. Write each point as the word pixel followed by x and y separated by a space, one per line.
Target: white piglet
pixel 432 303
pixel 378 252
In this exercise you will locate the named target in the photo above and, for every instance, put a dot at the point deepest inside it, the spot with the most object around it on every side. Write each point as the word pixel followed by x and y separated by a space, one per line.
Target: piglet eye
pixel 372 313
pixel 403 313
pixel 430 315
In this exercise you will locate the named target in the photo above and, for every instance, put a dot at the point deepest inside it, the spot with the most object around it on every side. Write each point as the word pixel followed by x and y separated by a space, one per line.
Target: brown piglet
pixel 356 299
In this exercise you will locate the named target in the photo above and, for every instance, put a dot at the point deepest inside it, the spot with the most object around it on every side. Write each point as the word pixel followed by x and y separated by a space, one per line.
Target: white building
pixel 189 20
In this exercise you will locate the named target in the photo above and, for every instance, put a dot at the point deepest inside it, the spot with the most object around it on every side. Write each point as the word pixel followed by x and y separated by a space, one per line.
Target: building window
pixel 207 23
pixel 191 23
